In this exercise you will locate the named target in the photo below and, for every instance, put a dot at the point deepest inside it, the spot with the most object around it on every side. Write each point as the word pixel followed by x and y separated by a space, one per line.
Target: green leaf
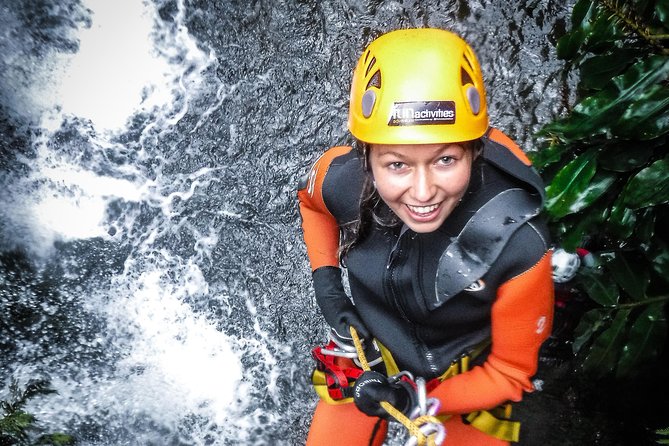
pixel 599 287
pixel 645 227
pixel 570 182
pixel 569 44
pixel 573 235
pixel 600 183
pixel 589 324
pixel 662 11
pixel 604 30
pixel 589 118
pixel 647 118
pixel 581 13
pixel 634 83
pixel 547 155
pixel 597 71
pixel 630 272
pixel 573 230
pixel 56 439
pixel 649 187
pixel 596 114
pixel 645 339
pixel 659 257
pixel 605 350
pixel 16 422
pixel 625 156
pixel 621 221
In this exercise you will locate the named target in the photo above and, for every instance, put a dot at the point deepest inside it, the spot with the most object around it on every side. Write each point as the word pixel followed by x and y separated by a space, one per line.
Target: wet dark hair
pixel 373 211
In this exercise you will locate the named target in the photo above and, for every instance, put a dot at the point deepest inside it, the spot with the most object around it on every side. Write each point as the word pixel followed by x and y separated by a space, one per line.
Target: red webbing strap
pixel 338 378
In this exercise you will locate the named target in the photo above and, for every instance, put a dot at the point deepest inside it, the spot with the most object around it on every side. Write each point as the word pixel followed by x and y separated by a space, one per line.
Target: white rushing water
pixel 151 262
pixel 176 373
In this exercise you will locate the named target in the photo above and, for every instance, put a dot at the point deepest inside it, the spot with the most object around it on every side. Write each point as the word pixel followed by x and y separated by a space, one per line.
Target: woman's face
pixel 421 183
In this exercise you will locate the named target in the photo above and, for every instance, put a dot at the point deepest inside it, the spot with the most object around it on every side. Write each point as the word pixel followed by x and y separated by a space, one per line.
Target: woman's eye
pixel 446 160
pixel 396 165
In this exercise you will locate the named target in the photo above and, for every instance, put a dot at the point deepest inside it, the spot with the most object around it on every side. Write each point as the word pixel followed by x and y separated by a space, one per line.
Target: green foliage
pixel 17 426
pixel 606 164
pixel 663 435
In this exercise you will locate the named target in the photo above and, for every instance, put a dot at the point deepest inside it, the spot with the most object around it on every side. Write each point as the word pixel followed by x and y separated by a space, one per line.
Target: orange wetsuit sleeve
pixel 319 226
pixel 522 317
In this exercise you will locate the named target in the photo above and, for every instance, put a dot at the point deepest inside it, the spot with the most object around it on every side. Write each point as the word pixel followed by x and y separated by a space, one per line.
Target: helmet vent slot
pixel 375 81
pixel 465 78
pixel 370 66
pixel 468 56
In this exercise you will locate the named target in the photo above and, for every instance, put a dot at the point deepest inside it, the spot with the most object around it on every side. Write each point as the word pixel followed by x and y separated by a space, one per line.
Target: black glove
pixel 372 387
pixel 337 308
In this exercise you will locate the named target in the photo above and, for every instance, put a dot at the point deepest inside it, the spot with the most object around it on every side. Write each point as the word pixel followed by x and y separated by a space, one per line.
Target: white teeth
pixel 423 209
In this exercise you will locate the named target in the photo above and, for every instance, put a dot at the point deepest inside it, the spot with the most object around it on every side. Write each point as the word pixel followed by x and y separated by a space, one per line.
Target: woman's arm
pixel 319 226
pixel 321 236
pixel 521 320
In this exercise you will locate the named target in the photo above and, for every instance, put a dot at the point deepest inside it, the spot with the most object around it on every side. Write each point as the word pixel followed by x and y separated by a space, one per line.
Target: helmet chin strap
pixel 365 157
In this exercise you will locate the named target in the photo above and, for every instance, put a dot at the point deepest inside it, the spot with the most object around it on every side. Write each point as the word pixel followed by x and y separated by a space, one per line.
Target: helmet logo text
pixel 422 113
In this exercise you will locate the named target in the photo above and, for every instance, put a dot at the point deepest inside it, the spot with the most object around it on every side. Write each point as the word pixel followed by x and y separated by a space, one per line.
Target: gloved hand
pixel 372 387
pixel 341 321
pixel 346 348
pixel 337 308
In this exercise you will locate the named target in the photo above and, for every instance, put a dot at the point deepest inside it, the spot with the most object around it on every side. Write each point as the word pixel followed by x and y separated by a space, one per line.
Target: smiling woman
pixel 140 269
pixel 447 257
pixel 421 184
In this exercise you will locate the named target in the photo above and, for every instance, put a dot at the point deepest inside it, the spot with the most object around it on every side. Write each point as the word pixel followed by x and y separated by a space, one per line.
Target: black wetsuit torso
pixel 392 272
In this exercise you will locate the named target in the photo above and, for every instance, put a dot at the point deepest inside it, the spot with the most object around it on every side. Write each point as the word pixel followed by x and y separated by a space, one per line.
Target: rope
pixel 413 426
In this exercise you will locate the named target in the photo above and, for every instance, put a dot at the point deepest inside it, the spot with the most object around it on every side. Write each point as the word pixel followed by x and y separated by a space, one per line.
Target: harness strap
pixel 500 428
pixel 334 384
pixel 495 422
pixel 413 426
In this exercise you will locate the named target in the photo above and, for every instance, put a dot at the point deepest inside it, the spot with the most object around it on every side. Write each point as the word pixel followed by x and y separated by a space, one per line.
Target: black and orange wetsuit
pixel 430 297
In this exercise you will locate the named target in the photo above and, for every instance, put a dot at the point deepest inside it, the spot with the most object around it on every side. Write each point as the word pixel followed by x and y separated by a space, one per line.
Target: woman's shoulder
pixel 342 183
pixel 502 152
pixel 497 136
pixel 526 247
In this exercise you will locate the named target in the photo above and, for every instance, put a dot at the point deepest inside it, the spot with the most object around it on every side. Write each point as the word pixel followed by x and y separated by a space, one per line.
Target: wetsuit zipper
pixel 427 354
pixel 393 294
pixel 389 279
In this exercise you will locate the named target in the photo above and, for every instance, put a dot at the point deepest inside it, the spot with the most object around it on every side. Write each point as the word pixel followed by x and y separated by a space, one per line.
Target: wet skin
pixel 421 183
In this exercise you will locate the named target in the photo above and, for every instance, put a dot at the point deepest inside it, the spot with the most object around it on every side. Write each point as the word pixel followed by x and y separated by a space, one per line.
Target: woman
pixel 445 253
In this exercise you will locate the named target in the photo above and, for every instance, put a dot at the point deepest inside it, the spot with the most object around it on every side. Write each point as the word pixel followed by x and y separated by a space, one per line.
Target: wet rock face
pixel 154 263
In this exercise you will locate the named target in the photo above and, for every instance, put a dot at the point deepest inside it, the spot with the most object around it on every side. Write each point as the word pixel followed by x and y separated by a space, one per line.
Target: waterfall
pixel 151 262
pixel 148 364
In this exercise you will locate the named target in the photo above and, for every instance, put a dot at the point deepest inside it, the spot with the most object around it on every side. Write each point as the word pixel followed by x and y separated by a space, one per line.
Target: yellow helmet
pixel 417 86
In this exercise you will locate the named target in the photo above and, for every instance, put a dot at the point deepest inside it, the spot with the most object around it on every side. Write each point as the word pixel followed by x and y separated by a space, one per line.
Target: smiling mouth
pixel 423 211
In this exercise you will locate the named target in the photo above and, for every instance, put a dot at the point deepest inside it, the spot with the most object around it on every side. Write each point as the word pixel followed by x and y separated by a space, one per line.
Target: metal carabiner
pixel 428 429
pixel 426 406
pixel 396 377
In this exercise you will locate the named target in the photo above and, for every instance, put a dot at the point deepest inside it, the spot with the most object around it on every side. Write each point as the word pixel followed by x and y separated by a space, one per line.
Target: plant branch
pixel 652 300
pixel 628 19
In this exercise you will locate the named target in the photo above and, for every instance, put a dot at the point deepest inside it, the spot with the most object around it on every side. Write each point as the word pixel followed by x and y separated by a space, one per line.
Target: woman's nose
pixel 423 186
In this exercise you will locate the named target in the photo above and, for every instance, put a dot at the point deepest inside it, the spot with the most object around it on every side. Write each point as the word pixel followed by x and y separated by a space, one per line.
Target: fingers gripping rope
pixel 424 427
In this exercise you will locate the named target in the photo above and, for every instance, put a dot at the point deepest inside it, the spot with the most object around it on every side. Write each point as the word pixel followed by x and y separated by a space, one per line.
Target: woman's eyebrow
pixel 395 154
